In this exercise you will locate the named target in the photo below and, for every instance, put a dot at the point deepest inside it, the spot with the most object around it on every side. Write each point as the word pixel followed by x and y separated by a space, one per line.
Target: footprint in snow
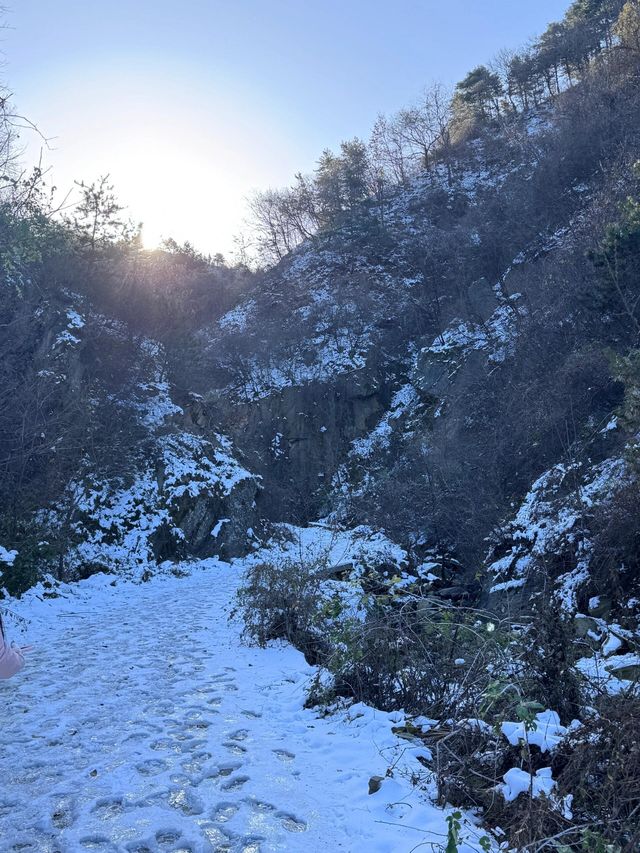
pixel 108 808
pixel 180 734
pixel 222 679
pixel 135 737
pixel 181 779
pixel 291 823
pixel 224 812
pixel 62 817
pixel 28 776
pixel 239 735
pixel 261 806
pixel 194 714
pixel 195 763
pixel 186 801
pixel 219 840
pixel 198 727
pixel 151 767
pixel 98 844
pixel 166 838
pixel 228 769
pixel 162 744
pixel 284 755
pixel 235 783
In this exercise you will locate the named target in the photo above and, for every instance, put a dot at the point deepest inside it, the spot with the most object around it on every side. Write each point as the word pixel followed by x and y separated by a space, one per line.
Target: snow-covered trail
pixel 141 724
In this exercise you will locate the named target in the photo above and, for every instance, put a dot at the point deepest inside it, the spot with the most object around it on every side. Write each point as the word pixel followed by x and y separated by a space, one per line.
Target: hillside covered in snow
pixel 405 442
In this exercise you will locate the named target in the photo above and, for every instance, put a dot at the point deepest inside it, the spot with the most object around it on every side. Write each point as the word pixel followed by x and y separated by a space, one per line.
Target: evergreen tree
pixel 552 56
pixel 354 168
pixel 328 186
pixel 481 90
pixel 524 80
pixel 96 218
pixel 596 18
pixel 341 181
pixel 617 261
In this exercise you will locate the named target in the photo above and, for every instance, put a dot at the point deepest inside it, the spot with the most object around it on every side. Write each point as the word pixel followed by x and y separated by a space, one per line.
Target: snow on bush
pixel 545 731
pixel 518 782
pixel 7 557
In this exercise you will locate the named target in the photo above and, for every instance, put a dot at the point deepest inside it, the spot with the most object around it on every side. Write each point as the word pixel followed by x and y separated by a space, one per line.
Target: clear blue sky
pixel 190 105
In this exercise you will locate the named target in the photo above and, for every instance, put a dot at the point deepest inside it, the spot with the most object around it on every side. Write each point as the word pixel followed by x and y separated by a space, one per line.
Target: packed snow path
pixel 141 724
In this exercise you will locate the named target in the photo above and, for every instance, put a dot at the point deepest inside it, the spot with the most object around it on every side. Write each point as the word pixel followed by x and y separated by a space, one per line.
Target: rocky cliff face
pixel 422 377
pixel 138 479
pixel 296 438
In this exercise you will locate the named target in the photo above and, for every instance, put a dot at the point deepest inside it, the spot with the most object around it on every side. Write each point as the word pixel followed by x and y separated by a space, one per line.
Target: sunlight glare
pixel 182 159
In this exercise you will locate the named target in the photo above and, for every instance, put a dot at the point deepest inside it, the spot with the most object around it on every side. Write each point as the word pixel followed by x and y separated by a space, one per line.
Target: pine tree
pixel 481 90
pixel 617 261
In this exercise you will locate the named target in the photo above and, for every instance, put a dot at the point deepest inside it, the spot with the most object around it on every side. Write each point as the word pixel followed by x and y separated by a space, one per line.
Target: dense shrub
pixel 374 645
pixel 283 599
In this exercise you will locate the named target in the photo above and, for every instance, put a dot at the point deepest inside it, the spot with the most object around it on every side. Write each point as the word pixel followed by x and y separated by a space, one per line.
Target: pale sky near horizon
pixel 190 106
